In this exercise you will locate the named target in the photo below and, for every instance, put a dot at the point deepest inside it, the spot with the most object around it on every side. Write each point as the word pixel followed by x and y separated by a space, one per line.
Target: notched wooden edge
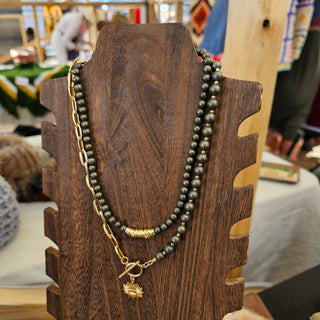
pixel 52 264
pixel 238 248
pixel 255 106
pixel 50 181
pixel 234 288
pixel 52 225
pixel 243 196
pixel 54 301
pixel 50 86
pixel 49 142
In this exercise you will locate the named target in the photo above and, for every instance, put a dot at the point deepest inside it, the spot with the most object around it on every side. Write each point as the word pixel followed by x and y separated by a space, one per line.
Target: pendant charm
pixel 132 289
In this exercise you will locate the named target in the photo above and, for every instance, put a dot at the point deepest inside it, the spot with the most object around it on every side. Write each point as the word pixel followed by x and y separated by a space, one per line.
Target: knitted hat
pixel 9 219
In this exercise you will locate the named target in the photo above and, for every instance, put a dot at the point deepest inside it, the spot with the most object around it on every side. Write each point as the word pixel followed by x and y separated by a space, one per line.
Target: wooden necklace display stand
pixel 142 87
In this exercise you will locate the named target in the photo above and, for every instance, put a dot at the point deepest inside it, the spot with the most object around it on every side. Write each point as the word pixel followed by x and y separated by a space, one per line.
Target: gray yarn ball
pixel 9 214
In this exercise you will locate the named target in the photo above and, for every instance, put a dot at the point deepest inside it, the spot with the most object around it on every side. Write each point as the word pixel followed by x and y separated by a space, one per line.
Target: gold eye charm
pixel 133 290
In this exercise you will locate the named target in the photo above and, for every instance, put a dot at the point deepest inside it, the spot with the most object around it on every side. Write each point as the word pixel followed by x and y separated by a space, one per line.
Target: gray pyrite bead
pixel 92 168
pixel 107 214
pixel 159 256
pixel 90 153
pixel 88 146
pixel 200 112
pixel 169 222
pixel 203 95
pixel 204 87
pixel 193 145
pixel 81 102
pixel 180 204
pixel 163 227
pixel 82 110
pixel 176 210
pixel 202 158
pixel 207 132
pixel 84 124
pixel 168 249
pixel 157 230
pixel 117 224
pixel 188 168
pixel 102 202
pixel 206 78
pixel 85 132
pixel 197 120
pixel 201 104
pixel 79 95
pixel 78 88
pixel 123 228
pixel 181 229
pixel 198 171
pixel 175 239
pixel 83 117
pixel 184 190
pixel 191 152
pixel 204 145
pixel 188 207
pixel 195 137
pixel 197 129
pixel 193 195
pixel 105 208
pixel 185 218
pixel 185 183
pixel 91 161
pixel 212 104
pixel 173 217
pixel 195 183
pixel 207 69
pixel 209 118
pixel 214 89
pixel 86 139
pixel 217 76
pixel 189 160
pixel 186 175
pixel 99 195
pixel 182 197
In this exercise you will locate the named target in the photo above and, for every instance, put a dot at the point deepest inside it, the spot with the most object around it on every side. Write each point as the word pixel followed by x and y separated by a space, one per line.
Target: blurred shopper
pixel 67 36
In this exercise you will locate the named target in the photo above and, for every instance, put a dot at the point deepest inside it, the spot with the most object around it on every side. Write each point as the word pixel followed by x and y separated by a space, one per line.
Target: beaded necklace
pixel 192 175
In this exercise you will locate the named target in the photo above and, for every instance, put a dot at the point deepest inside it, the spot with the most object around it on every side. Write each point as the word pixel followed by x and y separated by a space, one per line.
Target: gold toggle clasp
pixel 129 266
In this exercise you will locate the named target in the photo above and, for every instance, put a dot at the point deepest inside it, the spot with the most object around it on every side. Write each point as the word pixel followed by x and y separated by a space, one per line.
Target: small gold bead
pixel 196 177
pixel 183 223
pixel 212 111
pixel 172 244
pixel 178 235
pixel 206 138
pixel 195 189
pixel 190 200
pixel 200 164
pixel 216 82
pixel 213 97
pixel 208 125
pixel 203 152
pixel 188 212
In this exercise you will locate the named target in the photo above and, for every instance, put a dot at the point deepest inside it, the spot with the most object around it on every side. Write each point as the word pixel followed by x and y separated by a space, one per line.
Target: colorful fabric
pixel 297 27
pixel 200 11
pixel 315 23
pixel 215 31
pixel 20 87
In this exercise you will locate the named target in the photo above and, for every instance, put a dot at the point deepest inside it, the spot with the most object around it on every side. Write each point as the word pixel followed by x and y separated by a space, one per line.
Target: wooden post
pixel 36 35
pixel 141 113
pixel 252 47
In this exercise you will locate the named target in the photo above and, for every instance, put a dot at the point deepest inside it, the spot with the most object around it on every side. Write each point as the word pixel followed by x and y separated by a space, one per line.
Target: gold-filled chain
pixel 84 162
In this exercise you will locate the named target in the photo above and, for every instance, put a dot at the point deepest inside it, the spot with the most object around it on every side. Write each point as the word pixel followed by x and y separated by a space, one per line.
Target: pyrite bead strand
pixel 203 146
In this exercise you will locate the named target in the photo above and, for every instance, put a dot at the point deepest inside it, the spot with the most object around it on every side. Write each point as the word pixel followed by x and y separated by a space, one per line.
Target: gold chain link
pixel 84 162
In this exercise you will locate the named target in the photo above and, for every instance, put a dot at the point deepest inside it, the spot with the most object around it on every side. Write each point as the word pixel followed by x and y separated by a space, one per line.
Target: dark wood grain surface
pixel 142 87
